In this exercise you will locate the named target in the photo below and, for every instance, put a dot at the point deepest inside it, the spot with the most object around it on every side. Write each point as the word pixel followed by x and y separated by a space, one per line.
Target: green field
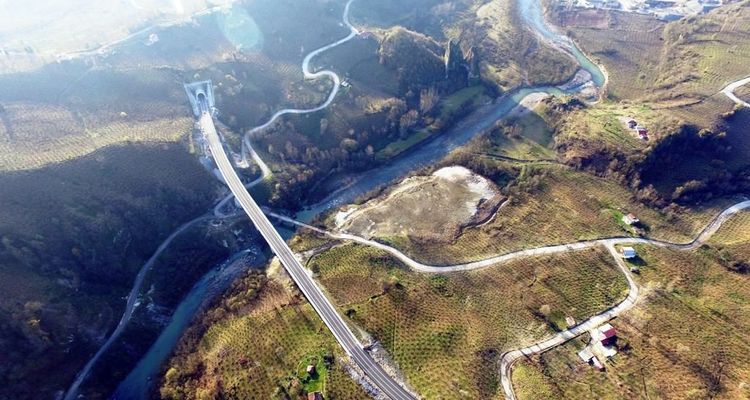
pixel 446 332
pixel 526 137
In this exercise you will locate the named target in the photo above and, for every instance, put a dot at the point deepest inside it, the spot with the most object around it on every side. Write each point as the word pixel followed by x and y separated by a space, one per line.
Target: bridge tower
pixel 197 91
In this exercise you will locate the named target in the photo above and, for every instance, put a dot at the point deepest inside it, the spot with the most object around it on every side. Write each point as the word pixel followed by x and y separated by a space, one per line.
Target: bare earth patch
pixel 435 207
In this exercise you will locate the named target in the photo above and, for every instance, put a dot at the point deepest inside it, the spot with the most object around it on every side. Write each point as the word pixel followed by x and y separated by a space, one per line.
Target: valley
pixel 457 181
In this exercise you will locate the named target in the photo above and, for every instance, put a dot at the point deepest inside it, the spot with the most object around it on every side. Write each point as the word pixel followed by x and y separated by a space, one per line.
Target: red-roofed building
pixel 605 334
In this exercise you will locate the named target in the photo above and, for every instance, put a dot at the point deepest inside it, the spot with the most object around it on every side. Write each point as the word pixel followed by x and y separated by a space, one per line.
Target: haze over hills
pixel 58 28
pixel 474 187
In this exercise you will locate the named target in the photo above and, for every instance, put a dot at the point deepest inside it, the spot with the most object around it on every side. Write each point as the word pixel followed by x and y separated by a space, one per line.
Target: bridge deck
pixel 307 285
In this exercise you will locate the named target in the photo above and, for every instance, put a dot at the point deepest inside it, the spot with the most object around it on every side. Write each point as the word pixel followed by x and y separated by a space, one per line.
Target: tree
pixel 408 121
pixel 428 99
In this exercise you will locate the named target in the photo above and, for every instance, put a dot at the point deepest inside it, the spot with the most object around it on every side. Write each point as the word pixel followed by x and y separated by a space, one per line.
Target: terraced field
pixel 688 338
pixel 629 48
pixel 563 206
pixel 256 346
pixel 62 113
pixel 446 332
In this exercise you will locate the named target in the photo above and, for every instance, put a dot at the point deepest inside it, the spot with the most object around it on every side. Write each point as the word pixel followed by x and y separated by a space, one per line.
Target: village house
pixel 601 346
pixel 642 132
pixel 605 334
pixel 315 396
pixel 630 219
pixel 311 369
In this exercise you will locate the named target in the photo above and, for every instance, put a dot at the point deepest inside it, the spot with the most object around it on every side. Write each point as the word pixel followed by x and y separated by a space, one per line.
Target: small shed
pixel 628 253
pixel 586 354
pixel 315 396
pixel 311 369
pixel 632 124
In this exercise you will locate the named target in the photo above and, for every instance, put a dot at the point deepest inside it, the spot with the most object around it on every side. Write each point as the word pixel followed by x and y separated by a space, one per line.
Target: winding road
pixel 247 147
pixel 327 312
pixel 729 91
pixel 130 306
pixel 509 358
pixel 706 233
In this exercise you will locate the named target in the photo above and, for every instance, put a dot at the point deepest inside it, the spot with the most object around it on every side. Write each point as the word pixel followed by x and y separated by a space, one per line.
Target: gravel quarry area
pixel 434 207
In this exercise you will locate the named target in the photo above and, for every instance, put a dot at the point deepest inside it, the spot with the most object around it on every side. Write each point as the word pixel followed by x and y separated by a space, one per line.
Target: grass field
pixel 743 92
pixel 733 242
pixel 606 124
pixel 256 344
pixel 446 332
pixel 526 136
pixel 565 206
pixel 687 338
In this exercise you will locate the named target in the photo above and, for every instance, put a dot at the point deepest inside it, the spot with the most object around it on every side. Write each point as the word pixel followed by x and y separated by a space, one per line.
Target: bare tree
pixel 428 99
pixel 408 120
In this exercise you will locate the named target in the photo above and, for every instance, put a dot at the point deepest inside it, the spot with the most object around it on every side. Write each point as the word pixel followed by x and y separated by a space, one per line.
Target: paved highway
pixel 320 303
pixel 509 358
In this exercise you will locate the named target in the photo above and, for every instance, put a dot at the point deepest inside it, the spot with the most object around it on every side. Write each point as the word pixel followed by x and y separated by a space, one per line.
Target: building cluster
pixel 668 10
pixel 642 131
pixel 601 346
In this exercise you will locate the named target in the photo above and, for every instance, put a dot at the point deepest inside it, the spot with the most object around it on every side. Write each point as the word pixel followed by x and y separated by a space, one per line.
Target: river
pixel 480 120
pixel 138 382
